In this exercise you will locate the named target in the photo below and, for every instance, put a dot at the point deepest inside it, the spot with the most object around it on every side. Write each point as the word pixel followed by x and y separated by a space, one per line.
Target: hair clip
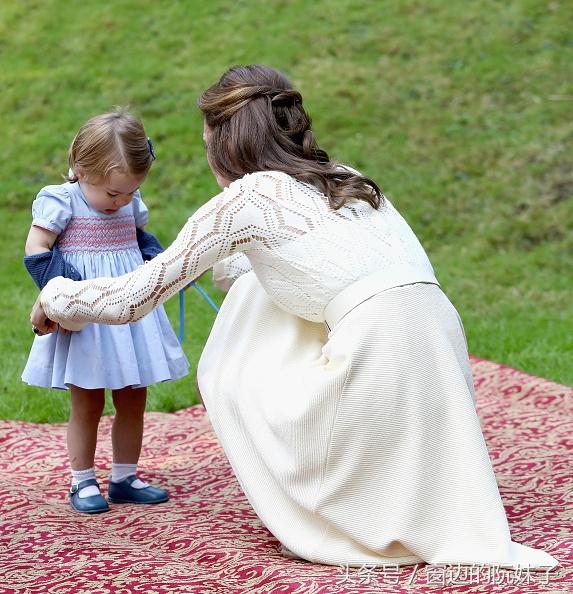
pixel 151 151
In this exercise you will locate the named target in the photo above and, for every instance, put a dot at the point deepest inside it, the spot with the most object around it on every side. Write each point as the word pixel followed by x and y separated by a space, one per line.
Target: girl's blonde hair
pixel 114 140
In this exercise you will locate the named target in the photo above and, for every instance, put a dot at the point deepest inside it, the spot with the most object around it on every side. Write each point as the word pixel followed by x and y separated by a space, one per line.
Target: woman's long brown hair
pixel 258 123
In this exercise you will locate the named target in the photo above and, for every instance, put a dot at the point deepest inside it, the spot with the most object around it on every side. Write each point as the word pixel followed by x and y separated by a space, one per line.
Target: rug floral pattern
pixel 207 539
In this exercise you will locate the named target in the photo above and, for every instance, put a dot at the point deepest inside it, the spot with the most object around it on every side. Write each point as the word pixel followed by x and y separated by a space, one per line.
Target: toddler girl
pixel 88 227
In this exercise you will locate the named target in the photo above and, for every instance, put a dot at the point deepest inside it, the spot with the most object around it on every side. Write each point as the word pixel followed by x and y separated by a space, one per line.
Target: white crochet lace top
pixel 302 251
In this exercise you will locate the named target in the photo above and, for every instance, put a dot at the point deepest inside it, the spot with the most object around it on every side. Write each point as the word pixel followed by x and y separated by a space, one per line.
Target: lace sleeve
pixel 229 223
pixel 227 271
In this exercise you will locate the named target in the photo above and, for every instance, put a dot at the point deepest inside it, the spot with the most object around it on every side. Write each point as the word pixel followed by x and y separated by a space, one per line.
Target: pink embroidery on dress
pixel 94 234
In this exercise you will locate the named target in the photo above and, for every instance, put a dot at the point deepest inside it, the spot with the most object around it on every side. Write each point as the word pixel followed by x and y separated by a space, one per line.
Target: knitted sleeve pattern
pixel 247 213
pixel 302 251
pixel 227 271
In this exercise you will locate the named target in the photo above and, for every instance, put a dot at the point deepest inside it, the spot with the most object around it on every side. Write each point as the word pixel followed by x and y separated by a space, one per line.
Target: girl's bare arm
pixel 39 240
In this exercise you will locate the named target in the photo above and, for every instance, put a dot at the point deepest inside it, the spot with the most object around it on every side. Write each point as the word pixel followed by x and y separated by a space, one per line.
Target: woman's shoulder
pixel 268 183
pixel 271 183
pixel 274 176
pixel 278 186
pixel 264 176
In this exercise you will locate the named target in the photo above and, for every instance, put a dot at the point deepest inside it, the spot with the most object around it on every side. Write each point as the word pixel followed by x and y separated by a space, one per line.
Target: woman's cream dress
pixel 336 376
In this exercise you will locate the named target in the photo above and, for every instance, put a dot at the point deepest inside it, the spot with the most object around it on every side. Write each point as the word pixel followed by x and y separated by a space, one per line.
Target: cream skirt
pixel 362 445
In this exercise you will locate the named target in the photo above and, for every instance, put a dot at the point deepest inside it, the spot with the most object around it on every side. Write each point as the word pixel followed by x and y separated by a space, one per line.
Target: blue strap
pixel 182 307
pixel 181 334
pixel 206 296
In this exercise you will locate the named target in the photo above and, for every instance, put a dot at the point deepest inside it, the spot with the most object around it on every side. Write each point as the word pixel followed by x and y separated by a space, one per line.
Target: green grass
pixel 460 110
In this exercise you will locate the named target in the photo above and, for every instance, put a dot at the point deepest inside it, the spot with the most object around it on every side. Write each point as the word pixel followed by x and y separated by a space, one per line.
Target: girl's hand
pixel 40 322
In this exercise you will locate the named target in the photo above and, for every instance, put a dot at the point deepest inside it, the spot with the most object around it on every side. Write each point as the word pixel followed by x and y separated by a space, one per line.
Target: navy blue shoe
pixel 95 504
pixel 123 492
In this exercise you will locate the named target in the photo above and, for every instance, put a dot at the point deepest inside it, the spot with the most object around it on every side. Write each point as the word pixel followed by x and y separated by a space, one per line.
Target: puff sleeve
pixel 52 208
pixel 140 210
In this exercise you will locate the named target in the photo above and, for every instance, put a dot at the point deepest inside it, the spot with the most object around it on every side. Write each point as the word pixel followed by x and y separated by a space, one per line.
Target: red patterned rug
pixel 207 539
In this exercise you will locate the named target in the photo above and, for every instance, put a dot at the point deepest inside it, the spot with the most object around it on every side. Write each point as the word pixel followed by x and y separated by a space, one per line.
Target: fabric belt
pixel 371 285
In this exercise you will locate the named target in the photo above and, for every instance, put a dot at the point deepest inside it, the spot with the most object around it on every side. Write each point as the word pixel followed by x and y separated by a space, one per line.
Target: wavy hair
pixel 258 123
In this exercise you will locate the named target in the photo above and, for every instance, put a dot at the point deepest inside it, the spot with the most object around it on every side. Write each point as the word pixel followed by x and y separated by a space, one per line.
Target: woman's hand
pixel 40 323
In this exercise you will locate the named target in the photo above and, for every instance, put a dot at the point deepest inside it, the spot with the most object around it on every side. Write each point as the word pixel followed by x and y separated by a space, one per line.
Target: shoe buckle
pixel 74 489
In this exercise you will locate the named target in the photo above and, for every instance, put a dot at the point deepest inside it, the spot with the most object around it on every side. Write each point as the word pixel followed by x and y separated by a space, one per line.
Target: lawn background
pixel 460 110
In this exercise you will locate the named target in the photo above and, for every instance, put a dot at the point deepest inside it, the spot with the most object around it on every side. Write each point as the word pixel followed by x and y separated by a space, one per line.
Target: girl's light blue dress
pixel 101 356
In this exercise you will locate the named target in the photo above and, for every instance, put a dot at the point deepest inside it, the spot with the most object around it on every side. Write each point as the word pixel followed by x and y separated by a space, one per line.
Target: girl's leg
pixel 126 436
pixel 127 429
pixel 87 408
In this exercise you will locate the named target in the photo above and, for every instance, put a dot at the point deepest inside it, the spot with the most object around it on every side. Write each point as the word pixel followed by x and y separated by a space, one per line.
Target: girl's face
pixel 223 183
pixel 109 194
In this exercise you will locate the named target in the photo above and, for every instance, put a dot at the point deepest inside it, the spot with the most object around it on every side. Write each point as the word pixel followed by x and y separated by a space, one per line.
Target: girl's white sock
pixel 120 472
pixel 81 475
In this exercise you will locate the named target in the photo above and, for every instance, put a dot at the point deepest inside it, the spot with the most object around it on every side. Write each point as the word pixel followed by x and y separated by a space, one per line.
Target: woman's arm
pixel 230 222
pixel 227 271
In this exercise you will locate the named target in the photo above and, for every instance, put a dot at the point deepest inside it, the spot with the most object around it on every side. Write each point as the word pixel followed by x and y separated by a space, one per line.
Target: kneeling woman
pixel 336 375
